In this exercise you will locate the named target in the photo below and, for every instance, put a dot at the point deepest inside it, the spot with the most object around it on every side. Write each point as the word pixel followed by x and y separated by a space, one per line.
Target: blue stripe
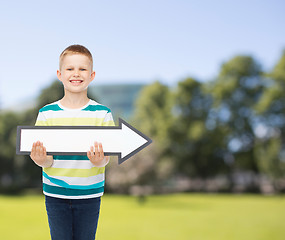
pixel 71 192
pixel 70 157
pixel 66 185
pixel 53 107
pixel 96 107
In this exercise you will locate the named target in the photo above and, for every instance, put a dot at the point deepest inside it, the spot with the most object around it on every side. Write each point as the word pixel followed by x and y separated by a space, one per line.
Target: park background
pixel 205 80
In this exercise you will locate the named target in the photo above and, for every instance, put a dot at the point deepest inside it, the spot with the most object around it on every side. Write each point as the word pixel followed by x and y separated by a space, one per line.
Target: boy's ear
pixel 58 73
pixel 92 76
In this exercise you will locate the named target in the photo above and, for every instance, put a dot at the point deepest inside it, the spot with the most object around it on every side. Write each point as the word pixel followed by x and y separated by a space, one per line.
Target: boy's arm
pixel 39 155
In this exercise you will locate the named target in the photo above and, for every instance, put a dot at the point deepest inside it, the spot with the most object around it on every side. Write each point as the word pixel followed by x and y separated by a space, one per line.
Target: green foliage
pixel 8 121
pixel 235 93
pixel 271 157
pixel 16 171
pixel 271 109
pixel 278 73
pixel 153 112
pixel 272 100
pixel 194 146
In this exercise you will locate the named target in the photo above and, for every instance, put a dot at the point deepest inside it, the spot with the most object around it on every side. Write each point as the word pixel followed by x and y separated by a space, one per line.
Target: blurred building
pixel 120 98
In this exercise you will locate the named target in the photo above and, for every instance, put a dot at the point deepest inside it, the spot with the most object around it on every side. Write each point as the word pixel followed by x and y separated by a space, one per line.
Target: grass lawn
pixel 180 216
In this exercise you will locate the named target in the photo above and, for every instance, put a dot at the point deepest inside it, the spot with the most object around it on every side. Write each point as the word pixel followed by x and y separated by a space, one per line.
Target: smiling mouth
pixel 76 81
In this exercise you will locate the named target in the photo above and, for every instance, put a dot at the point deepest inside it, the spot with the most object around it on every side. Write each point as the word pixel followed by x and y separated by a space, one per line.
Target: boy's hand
pixel 96 155
pixel 39 155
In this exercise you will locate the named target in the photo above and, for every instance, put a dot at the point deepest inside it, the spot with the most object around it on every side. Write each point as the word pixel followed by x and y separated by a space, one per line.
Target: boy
pixel 73 185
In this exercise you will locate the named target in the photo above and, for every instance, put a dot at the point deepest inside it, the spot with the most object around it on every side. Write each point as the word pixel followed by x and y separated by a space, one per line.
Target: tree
pixel 153 115
pixel 8 163
pixel 153 112
pixel 271 109
pixel 195 142
pixel 235 92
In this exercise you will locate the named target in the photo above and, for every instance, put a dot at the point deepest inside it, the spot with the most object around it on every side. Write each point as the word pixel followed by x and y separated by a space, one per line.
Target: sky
pixel 134 41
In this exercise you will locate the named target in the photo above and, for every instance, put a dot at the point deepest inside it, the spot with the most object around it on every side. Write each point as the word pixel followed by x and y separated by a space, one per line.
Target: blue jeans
pixel 72 219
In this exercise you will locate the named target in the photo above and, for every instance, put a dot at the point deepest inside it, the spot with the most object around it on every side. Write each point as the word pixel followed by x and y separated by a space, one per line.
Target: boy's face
pixel 75 73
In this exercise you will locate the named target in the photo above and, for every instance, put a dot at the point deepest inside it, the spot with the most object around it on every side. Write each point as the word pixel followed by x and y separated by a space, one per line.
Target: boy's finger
pixel 96 148
pixel 92 150
pixel 100 153
pixel 33 148
pixel 38 151
pixel 101 149
pixel 89 154
pixel 41 151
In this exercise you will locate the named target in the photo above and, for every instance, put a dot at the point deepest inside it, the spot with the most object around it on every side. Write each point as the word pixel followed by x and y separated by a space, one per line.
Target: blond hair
pixel 76 49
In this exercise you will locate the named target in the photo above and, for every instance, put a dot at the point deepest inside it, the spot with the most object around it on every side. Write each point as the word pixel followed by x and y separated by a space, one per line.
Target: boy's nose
pixel 76 73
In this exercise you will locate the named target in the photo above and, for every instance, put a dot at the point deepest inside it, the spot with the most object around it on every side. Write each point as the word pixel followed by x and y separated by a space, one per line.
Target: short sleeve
pixel 41 120
pixel 108 120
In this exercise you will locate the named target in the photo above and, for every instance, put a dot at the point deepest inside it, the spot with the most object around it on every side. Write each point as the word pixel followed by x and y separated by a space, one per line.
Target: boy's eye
pixel 69 69
pixel 82 69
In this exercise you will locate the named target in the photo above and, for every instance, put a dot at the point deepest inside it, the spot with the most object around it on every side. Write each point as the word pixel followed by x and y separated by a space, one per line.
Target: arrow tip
pixel 136 141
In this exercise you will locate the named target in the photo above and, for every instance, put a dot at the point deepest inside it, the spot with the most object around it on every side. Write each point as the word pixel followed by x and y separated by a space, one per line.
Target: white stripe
pixel 73 197
pixel 69 114
pixel 80 164
pixel 108 117
pixel 48 182
pixel 77 181
pixel 92 102
pixel 41 117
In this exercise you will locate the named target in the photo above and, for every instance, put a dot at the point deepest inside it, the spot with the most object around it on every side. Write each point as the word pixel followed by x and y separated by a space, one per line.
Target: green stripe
pixel 71 192
pixel 41 123
pixel 53 107
pixel 70 157
pixel 96 107
pixel 87 121
pixel 74 172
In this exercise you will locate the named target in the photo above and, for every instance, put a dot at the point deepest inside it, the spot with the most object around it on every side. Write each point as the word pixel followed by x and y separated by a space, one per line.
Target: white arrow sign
pixel 123 140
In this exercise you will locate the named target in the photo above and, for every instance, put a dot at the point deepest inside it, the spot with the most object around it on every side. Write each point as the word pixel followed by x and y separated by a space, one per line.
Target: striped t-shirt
pixel 72 176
